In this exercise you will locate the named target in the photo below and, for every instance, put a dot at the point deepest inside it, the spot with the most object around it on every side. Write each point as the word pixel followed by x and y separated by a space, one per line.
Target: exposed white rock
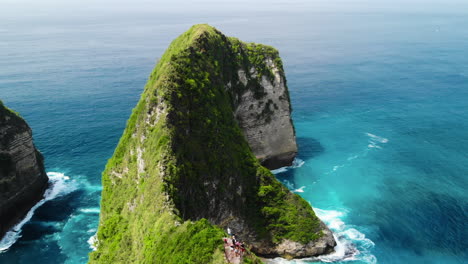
pixel 266 122
pixel 140 161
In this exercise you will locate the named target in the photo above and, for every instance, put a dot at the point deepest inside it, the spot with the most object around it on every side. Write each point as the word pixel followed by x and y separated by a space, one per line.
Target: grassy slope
pixel 155 216
pixel 9 110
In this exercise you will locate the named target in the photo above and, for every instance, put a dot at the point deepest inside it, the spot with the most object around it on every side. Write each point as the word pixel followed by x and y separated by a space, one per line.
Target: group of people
pixel 236 246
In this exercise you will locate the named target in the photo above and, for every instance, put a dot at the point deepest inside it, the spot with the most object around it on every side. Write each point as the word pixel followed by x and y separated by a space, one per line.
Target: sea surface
pixel 380 100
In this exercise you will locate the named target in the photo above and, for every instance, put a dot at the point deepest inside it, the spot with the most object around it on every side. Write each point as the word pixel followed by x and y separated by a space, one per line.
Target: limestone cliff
pixel 262 107
pixel 22 176
pixel 184 169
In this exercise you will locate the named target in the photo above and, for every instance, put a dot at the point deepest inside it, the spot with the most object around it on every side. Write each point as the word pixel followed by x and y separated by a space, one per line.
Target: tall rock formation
pixel 22 176
pixel 262 106
pixel 183 168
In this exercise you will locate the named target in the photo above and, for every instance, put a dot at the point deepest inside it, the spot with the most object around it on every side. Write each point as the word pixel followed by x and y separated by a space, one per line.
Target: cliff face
pixel 183 168
pixel 263 108
pixel 22 176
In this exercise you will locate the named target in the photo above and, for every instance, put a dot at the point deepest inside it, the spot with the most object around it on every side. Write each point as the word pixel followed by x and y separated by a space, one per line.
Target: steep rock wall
pixel 22 176
pixel 263 109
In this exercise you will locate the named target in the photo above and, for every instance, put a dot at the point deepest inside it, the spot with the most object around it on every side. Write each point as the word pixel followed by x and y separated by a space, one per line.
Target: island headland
pixel 189 163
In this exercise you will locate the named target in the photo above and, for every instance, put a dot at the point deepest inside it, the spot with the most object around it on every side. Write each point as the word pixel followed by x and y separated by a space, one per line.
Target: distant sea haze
pixel 379 100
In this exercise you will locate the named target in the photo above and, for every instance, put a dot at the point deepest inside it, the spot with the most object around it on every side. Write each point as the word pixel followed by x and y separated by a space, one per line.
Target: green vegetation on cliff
pixel 182 167
pixel 5 108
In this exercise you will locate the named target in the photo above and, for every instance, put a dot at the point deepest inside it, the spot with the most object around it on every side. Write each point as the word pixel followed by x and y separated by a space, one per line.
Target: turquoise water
pixel 380 108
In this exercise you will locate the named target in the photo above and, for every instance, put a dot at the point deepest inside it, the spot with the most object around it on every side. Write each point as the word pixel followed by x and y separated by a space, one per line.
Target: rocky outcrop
pixel 22 176
pixel 293 249
pixel 265 118
pixel 184 168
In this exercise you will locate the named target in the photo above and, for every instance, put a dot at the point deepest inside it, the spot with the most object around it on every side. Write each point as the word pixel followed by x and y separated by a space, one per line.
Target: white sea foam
pixel 59 185
pixel 280 170
pixel 90 210
pixel 297 163
pixel 331 217
pixel 373 145
pixel 377 138
pixel 352 245
pixel 299 190
pixel 93 242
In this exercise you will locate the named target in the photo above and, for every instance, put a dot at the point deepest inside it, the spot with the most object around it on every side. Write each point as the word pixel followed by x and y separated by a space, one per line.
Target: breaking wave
pixel 90 210
pixel 300 189
pixel 352 245
pixel 297 163
pixel 58 186
pixel 93 242
pixel 375 140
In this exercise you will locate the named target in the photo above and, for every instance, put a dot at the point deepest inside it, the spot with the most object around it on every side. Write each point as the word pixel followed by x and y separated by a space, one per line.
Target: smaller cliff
pixel 22 176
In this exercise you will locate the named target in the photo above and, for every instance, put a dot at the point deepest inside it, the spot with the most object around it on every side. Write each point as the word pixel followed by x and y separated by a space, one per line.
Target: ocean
pixel 380 100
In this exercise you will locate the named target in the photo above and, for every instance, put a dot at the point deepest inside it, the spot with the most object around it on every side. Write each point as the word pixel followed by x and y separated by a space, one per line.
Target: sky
pixel 34 8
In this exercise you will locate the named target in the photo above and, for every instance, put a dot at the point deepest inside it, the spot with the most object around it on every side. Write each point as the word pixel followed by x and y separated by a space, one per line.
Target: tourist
pixel 242 247
pixel 237 251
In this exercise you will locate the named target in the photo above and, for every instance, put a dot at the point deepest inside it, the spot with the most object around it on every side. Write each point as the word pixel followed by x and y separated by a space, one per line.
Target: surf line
pixel 352 245
pixel 58 186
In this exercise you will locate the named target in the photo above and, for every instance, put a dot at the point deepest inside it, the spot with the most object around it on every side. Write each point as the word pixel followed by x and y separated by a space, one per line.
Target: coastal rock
pixel 185 169
pixel 22 176
pixel 293 249
pixel 265 117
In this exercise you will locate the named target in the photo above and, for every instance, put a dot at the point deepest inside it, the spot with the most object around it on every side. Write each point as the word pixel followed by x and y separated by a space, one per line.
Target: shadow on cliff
pixel 309 148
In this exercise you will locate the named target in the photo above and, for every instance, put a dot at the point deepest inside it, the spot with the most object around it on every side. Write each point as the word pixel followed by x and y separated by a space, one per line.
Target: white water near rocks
pixel 93 242
pixel 297 163
pixel 59 185
pixel 352 245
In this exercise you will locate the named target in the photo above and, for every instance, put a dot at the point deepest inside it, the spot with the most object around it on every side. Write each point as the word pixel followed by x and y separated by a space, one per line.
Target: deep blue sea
pixel 379 93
